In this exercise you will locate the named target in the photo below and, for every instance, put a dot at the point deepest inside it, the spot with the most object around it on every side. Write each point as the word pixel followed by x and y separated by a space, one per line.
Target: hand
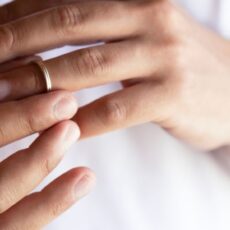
pixel 175 72
pixel 23 171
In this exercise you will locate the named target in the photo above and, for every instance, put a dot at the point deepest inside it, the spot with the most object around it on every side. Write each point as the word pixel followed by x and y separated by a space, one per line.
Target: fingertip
pixel 58 139
pixel 72 130
pixel 66 107
pixel 84 171
pixel 68 130
pixel 73 185
pixel 57 95
pixel 85 181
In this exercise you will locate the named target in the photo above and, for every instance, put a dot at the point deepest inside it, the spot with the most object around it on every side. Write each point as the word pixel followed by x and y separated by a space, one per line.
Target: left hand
pixel 175 72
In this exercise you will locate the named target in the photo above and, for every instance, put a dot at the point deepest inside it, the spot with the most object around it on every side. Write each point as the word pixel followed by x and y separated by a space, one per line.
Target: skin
pixel 22 172
pixel 174 73
pixel 157 52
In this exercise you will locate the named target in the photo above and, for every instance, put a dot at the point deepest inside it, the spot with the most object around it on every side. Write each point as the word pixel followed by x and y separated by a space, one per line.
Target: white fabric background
pixel 146 179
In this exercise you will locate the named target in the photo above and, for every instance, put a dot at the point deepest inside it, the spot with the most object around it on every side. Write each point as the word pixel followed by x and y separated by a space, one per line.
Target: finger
pixel 21 118
pixel 101 65
pixel 18 62
pixel 69 24
pixel 87 68
pixel 21 8
pixel 135 105
pixel 39 209
pixel 23 171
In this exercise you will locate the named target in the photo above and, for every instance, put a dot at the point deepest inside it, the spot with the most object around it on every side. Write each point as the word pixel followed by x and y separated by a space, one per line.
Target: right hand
pixel 22 172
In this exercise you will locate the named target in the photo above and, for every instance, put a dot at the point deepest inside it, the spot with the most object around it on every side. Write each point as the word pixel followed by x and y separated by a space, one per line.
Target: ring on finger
pixel 45 73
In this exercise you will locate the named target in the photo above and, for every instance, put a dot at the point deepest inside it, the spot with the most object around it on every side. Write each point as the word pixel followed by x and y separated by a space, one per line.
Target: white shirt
pixel 147 180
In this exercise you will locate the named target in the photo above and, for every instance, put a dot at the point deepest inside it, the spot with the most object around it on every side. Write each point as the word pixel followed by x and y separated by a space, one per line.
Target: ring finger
pixel 86 68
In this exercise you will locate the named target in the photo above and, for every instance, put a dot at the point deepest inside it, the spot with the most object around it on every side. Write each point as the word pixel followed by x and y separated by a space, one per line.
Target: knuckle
pixel 171 20
pixel 47 166
pixel 7 37
pixel 91 61
pixel 176 56
pixel 49 160
pixel 162 13
pixel 114 112
pixel 57 208
pixel 8 199
pixel 30 124
pixel 163 9
pixel 181 79
pixel 27 120
pixel 67 18
pixel 165 6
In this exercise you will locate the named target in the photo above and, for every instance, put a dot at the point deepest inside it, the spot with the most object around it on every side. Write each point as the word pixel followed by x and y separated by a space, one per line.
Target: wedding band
pixel 46 74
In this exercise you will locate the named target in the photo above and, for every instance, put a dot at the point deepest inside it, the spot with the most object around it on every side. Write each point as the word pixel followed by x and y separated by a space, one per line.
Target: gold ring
pixel 46 74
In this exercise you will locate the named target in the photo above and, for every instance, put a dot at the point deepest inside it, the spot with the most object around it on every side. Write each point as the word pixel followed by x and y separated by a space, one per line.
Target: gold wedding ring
pixel 45 73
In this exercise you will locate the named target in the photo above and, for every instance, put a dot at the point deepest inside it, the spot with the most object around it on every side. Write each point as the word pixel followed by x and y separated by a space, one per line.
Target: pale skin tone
pixel 174 71
pixel 49 115
pixel 21 173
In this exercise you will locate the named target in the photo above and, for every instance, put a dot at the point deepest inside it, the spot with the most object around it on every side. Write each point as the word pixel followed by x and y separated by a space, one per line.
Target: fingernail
pixel 65 108
pixel 4 89
pixel 84 186
pixel 72 134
